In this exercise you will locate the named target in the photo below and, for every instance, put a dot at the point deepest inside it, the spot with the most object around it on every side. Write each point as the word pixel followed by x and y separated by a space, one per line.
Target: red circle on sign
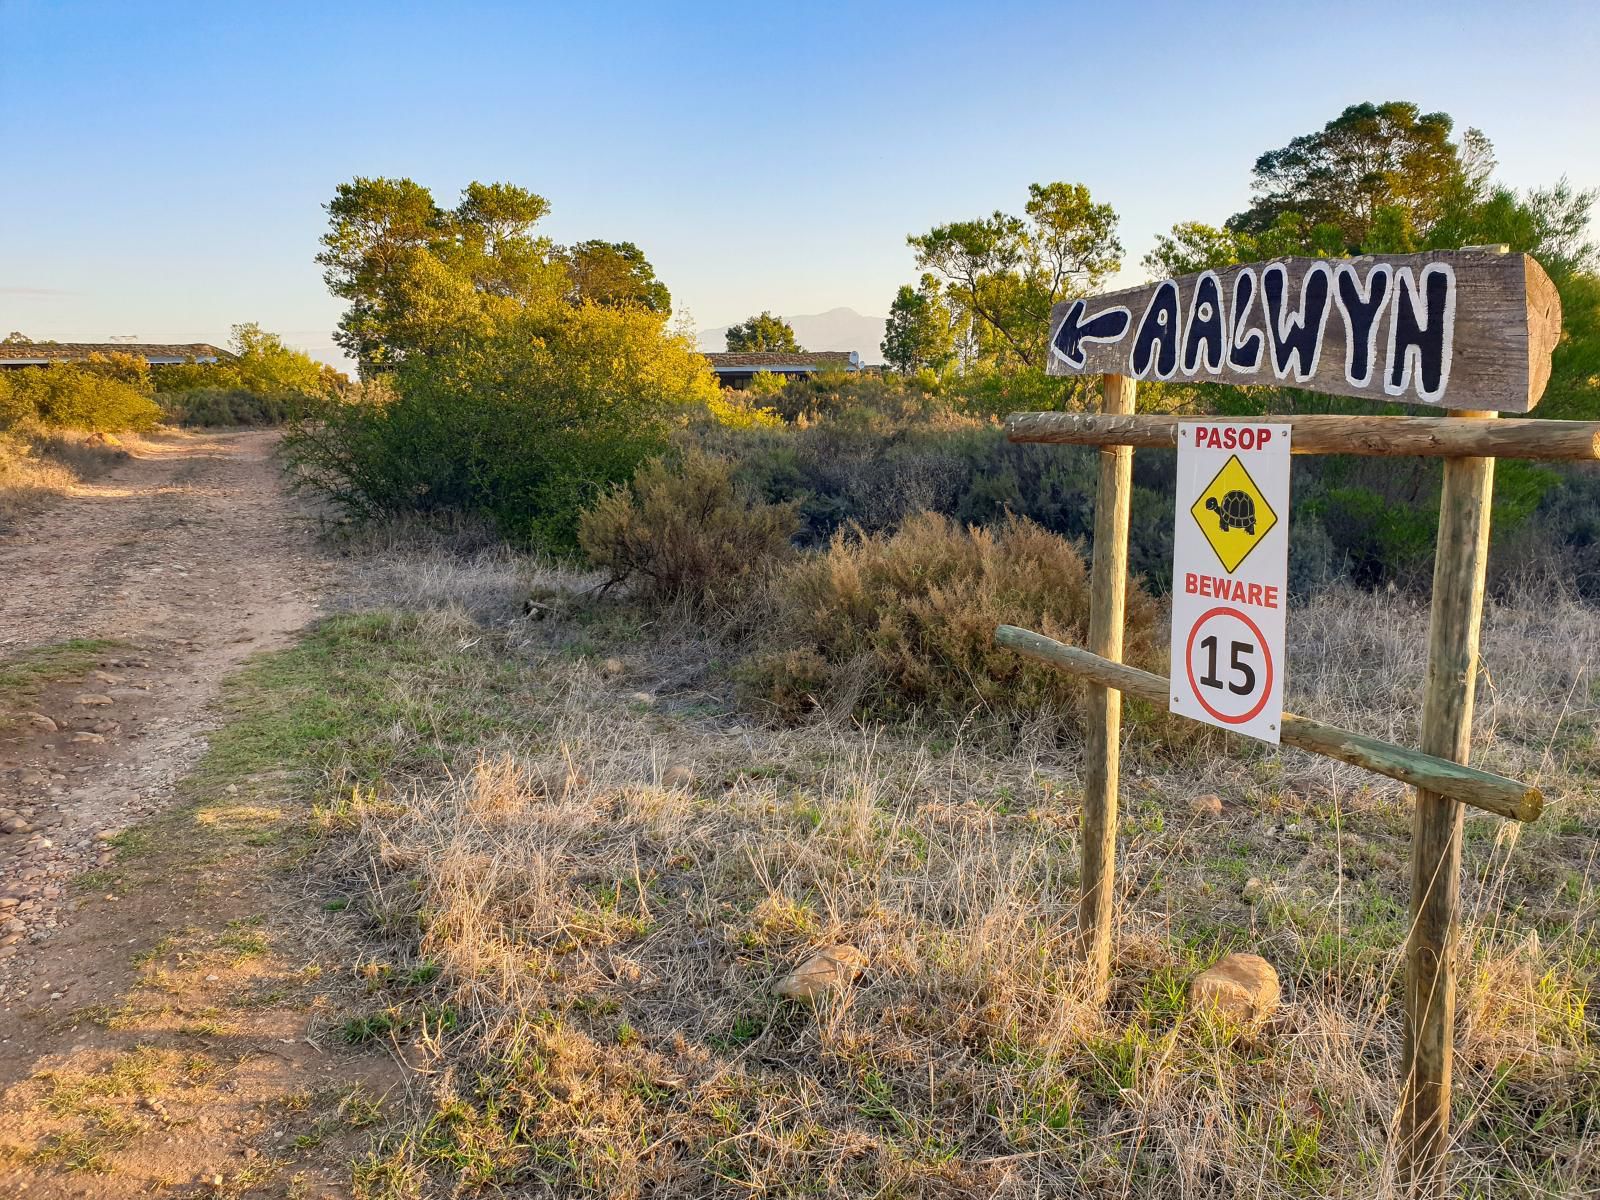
pixel 1266 655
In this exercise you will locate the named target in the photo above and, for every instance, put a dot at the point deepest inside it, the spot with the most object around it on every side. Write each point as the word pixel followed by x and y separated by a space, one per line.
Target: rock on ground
pixel 1241 987
pixel 678 776
pixel 1208 805
pixel 827 971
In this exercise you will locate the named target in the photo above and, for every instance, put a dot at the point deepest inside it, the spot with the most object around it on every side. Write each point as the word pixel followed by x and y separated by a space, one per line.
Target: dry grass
pixel 36 470
pixel 686 532
pixel 902 624
pixel 589 955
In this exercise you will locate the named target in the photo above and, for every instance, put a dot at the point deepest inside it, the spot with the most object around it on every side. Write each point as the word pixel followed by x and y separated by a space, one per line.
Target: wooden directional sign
pixel 1456 329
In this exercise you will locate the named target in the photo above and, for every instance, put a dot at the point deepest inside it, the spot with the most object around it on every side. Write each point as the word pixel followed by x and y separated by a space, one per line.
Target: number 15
pixel 1238 651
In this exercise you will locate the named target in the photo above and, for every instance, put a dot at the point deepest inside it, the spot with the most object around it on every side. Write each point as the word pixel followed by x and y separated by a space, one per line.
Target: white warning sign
pixel 1230 569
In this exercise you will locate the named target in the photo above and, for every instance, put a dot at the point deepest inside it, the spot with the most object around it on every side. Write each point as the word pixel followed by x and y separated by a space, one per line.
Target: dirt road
pixel 190 557
pixel 147 1020
pixel 192 542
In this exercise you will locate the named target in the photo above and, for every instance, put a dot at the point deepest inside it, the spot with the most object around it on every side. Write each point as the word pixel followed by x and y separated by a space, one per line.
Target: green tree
pixel 420 278
pixel 1005 272
pixel 1552 224
pixel 525 425
pixel 1369 157
pixel 919 332
pixel 267 367
pixel 1391 232
pixel 765 332
pixel 377 228
pixel 1386 179
pixel 1195 246
pixel 616 274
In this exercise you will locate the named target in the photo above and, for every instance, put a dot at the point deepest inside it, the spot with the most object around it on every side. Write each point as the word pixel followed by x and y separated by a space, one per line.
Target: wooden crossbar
pixel 1388 437
pixel 1492 793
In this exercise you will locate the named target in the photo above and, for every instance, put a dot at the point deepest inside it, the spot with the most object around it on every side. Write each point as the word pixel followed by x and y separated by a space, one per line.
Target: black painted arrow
pixel 1107 326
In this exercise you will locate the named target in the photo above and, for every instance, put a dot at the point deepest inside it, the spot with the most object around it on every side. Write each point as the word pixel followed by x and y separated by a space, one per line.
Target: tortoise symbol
pixel 1237 511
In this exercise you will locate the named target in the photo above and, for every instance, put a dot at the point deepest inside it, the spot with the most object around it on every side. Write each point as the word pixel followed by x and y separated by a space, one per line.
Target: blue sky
pixel 168 161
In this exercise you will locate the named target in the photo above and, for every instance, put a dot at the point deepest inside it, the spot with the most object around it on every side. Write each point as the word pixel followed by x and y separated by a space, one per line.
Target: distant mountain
pixel 836 329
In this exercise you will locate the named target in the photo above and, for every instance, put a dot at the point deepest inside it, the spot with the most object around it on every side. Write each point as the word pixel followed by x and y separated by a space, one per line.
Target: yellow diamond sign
pixel 1233 514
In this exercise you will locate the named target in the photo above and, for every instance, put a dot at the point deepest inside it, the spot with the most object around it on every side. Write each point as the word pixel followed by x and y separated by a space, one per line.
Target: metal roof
pixel 42 354
pixel 778 361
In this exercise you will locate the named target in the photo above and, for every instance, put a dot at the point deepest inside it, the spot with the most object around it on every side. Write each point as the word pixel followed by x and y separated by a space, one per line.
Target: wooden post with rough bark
pixel 1430 993
pixel 1108 596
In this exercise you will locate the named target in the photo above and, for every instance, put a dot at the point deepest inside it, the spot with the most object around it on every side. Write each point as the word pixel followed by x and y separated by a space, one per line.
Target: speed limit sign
pixel 1230 568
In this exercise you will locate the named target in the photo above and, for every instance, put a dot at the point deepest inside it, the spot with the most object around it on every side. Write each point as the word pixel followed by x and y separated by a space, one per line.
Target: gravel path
pixel 191 555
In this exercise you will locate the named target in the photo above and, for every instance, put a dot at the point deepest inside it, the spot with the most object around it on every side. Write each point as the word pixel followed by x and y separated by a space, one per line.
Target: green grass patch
pixel 24 676
pixel 137 1072
pixel 358 1031
pixel 244 941
pixel 86 1150
pixel 360 699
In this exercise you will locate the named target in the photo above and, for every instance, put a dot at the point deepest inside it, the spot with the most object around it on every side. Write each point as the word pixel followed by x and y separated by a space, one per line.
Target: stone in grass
pixel 1208 805
pixel 1242 988
pixel 612 667
pixel 40 722
pixel 827 971
pixel 93 700
pixel 679 775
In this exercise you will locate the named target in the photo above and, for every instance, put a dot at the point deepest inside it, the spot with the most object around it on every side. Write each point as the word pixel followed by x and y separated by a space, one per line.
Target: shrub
pixel 895 625
pixel 229 406
pixel 845 472
pixel 998 392
pixel 734 410
pixel 266 383
pixel 766 384
pixel 1559 542
pixel 16 404
pixel 525 426
pixel 74 397
pixel 687 533
pixel 1370 520
pixel 124 368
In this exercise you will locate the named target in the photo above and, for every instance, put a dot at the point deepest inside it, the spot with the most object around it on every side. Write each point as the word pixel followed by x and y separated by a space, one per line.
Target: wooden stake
pixel 1108 595
pixel 1459 565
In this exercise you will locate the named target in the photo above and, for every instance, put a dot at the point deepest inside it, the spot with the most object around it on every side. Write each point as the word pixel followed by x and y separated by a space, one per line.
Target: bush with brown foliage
pixel 687 531
pixel 891 625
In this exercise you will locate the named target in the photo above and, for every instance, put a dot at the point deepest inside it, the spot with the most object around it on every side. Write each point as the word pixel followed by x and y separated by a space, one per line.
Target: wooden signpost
pixel 1462 329
pixel 1469 332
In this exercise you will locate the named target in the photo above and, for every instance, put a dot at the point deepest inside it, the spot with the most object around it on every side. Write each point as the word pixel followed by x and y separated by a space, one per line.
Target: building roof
pixel 44 353
pixel 784 360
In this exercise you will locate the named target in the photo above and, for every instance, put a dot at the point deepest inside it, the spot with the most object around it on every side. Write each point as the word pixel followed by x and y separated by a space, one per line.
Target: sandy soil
pixel 189 554
pixel 163 980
